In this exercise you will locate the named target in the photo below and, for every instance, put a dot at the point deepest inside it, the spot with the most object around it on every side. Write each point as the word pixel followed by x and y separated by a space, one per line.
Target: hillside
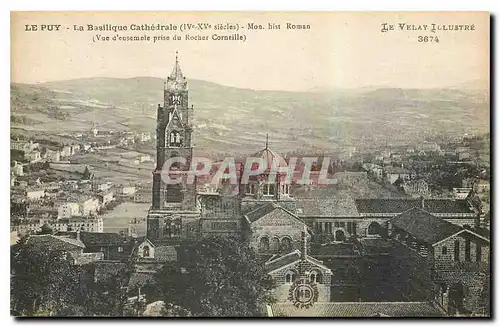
pixel 229 119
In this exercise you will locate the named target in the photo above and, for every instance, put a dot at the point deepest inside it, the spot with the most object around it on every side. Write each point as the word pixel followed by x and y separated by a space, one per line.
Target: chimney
pixel 78 234
pixel 303 252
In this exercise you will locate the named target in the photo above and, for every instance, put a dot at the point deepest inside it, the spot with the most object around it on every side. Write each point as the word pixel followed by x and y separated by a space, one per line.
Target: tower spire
pixel 176 74
pixel 267 141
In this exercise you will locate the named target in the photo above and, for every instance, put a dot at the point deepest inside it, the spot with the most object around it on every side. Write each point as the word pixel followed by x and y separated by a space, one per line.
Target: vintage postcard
pixel 250 164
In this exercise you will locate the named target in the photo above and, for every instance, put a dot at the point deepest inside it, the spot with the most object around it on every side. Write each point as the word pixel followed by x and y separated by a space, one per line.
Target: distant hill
pixel 477 84
pixel 229 119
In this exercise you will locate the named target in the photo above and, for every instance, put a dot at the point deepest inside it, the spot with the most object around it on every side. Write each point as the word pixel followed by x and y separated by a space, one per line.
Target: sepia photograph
pixel 250 164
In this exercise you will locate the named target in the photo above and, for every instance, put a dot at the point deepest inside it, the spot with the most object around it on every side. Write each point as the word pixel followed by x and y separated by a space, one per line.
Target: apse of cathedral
pixel 260 210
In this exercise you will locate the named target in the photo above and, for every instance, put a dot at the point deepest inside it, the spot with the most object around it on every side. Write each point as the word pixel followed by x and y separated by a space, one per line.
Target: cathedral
pixel 291 233
pixel 260 211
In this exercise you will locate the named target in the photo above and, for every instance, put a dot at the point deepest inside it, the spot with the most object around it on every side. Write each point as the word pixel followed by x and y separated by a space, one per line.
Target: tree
pixel 86 173
pixel 43 280
pixel 216 277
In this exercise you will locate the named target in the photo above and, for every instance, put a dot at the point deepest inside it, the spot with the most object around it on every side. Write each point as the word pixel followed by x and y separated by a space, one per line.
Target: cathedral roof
pixel 271 158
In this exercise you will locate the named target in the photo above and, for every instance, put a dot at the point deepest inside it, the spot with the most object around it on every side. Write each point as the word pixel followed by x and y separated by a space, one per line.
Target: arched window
pixel 175 139
pixel 275 244
pixel 315 277
pixel 374 228
pixel 290 277
pixel 264 243
pixel 286 243
pixel 339 235
pixel 145 251
pixel 167 230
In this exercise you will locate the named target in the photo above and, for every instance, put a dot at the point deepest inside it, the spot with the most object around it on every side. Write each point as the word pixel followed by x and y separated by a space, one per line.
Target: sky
pixel 340 50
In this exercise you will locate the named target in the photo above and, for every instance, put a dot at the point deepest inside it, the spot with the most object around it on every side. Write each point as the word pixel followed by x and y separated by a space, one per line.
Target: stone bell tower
pixel 174 140
pixel 173 135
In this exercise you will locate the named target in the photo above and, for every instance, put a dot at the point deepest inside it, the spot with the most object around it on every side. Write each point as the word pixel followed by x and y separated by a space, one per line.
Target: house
pixel 416 188
pixel 68 210
pixel 482 186
pixel 52 156
pixel 113 246
pixel 392 174
pixel 86 146
pixel 89 205
pixel 88 224
pixel 300 279
pixel 128 190
pixel 443 262
pixel 33 156
pixel 373 169
pixel 23 145
pixel 105 198
pixel 75 148
pixel 28 226
pixel 429 147
pixel 461 193
pixel 149 258
pixel 14 237
pixel 65 151
pixel 144 137
pixel 17 169
pixel 72 248
pixel 99 186
pixel 144 158
pixel 147 251
pixel 35 193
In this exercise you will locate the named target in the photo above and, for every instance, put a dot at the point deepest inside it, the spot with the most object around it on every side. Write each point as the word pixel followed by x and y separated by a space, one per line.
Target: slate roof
pixel 56 242
pixel 484 232
pixel 331 207
pixel 289 258
pixel 424 226
pixel 357 309
pixel 165 253
pixel 447 206
pixel 385 205
pixel 397 170
pixel 282 261
pixel 91 239
pixel 401 205
pixel 272 209
pixel 260 211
